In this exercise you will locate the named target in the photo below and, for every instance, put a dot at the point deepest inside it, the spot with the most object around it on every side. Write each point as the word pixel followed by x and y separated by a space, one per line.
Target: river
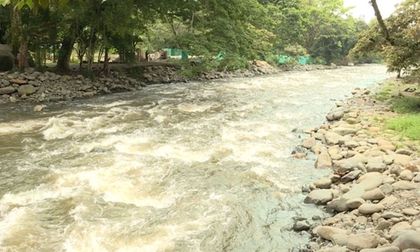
pixel 180 167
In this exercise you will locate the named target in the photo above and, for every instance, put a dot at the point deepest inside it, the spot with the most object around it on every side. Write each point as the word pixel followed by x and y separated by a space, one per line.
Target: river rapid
pixel 180 167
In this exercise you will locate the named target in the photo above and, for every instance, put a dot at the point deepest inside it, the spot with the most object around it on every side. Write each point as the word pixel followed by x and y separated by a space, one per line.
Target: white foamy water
pixel 182 167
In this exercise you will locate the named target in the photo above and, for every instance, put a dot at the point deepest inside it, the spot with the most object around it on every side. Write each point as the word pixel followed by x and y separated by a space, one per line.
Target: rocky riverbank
pixel 40 88
pixel 373 192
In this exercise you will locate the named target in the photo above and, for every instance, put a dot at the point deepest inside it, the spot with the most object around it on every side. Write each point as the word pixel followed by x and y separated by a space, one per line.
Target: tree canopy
pixel 240 30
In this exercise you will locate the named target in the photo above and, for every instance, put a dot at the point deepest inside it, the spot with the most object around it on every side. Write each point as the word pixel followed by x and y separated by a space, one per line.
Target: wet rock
pixel 337 205
pixel 319 196
pixel 324 160
pixel 382 249
pixel 7 90
pixel 39 108
pixel 309 143
pixel 375 194
pixel 26 90
pixel 408 239
pixel 324 183
pixel 335 115
pixel 368 208
pixel 301 225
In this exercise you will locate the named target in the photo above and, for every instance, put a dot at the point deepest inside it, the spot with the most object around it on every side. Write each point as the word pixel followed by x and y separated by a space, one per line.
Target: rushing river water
pixel 181 167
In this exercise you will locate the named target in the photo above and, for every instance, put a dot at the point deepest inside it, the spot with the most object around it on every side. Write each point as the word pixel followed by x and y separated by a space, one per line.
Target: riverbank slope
pixel 371 143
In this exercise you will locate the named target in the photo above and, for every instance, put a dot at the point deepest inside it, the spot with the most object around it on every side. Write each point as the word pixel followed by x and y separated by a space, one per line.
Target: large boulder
pixel 7 60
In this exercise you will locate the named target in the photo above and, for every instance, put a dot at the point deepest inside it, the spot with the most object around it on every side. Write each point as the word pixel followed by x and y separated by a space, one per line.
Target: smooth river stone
pixel 375 194
pixel 408 239
pixel 319 196
pixel 369 209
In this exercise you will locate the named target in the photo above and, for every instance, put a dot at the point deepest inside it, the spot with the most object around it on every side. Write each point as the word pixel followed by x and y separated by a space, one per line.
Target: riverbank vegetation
pixel 215 34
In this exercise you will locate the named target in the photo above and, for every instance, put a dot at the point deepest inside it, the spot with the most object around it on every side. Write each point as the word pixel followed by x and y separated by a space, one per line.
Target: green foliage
pixel 407 104
pixel 403 26
pixel 243 30
pixel 406 125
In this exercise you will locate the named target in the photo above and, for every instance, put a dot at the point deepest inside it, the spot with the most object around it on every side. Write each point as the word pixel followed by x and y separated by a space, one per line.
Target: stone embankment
pixel 36 87
pixel 373 193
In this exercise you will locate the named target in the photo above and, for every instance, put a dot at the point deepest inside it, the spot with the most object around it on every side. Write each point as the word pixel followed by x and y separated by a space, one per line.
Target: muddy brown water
pixel 181 167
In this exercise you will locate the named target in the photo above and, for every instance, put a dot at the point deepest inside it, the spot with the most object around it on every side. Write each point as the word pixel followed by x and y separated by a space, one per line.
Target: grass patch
pixel 406 125
pixel 406 104
pixel 385 93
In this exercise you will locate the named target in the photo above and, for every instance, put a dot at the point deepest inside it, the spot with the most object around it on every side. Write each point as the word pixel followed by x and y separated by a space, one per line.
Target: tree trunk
pixel 23 55
pixel 381 22
pixel 64 54
pixel 106 61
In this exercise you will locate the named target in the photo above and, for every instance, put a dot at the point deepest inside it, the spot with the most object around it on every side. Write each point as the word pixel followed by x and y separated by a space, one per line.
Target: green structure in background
pixel 175 52
pixel 301 60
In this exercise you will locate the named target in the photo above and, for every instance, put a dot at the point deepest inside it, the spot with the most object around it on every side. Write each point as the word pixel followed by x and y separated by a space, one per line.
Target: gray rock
pixel 335 115
pixel 368 208
pixel 351 176
pixel 343 131
pixel 337 205
pixel 26 90
pixel 345 166
pixel 404 152
pixel 375 164
pixel 319 196
pixel 7 90
pixel 375 194
pixel 389 201
pixel 301 225
pixel 408 239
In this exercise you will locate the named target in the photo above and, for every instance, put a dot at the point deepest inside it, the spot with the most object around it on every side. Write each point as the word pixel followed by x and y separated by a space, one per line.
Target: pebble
pixel 408 240
pixel 382 249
